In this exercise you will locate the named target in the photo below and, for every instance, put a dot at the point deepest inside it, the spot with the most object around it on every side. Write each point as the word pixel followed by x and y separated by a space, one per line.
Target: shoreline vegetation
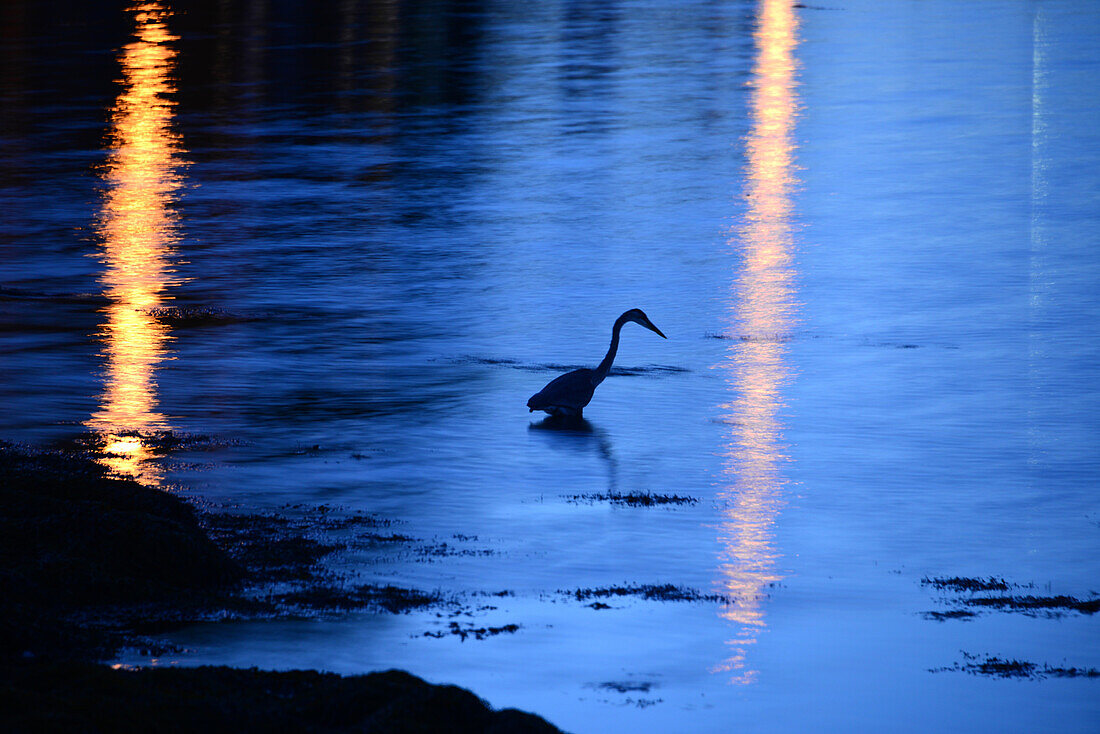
pixel 91 560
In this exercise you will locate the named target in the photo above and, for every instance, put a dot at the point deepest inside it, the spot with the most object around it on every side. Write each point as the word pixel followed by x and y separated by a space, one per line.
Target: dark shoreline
pixel 90 559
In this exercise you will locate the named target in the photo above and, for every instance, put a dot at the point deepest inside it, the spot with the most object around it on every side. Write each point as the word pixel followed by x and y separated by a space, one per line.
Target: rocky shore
pixel 88 560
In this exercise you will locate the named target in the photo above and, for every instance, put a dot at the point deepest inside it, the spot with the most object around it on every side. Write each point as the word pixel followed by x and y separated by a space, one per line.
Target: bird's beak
pixel 649 325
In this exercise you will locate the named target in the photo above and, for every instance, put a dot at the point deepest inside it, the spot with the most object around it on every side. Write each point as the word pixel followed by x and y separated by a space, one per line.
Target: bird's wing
pixel 573 389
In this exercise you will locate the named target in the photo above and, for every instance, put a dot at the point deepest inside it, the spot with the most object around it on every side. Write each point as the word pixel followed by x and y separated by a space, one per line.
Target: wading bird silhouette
pixel 567 395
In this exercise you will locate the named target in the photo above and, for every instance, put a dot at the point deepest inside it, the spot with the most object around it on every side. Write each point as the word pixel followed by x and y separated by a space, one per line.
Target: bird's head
pixel 638 316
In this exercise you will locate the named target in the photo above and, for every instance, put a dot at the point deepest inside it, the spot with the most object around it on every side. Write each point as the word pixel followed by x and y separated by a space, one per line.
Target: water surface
pixel 868 230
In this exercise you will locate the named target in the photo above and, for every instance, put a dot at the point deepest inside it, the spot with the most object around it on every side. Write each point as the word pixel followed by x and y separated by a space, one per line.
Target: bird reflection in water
pixel 564 424
pixel 755 366
pixel 138 229
pixel 570 433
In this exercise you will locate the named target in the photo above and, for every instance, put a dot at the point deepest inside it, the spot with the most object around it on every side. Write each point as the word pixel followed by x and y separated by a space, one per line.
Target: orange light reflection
pixel 138 229
pixel 763 313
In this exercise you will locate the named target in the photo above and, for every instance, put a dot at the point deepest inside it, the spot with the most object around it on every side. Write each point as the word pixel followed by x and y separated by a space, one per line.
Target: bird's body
pixel 565 395
pixel 568 394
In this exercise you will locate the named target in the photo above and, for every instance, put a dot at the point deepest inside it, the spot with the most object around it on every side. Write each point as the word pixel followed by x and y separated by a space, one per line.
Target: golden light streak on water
pixel 763 313
pixel 138 229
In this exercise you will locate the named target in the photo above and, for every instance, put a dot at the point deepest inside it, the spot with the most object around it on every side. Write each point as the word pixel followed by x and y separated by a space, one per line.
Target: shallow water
pixel 868 230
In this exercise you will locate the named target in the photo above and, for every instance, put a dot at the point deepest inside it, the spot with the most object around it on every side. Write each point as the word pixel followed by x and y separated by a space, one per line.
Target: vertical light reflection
pixel 138 229
pixel 762 312
pixel 1039 285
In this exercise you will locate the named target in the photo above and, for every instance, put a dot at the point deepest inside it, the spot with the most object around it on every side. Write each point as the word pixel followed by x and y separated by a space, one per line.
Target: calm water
pixel 870 232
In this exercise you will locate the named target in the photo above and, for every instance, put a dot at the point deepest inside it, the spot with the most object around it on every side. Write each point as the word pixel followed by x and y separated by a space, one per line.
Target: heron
pixel 566 396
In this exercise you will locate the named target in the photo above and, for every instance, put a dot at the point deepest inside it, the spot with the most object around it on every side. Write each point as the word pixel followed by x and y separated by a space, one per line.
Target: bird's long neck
pixel 605 365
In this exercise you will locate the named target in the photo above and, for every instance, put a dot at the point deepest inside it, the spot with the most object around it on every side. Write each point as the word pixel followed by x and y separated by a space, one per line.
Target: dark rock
pixel 73 538
pixel 84 697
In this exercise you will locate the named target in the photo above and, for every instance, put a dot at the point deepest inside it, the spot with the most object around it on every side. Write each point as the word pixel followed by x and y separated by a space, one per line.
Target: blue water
pixel 869 231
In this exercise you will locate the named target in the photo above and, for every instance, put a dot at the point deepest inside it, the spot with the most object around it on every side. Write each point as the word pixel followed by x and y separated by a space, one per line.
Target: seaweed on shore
pixel 443 549
pixel 626 686
pixel 1037 604
pixel 478 633
pixel 290 547
pixel 958 583
pixel 950 614
pixel 649 592
pixel 632 499
pixel 185 316
pixel 978 593
pixel 272 547
pixel 159 441
pixel 627 689
pixel 388 598
pixel 997 667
